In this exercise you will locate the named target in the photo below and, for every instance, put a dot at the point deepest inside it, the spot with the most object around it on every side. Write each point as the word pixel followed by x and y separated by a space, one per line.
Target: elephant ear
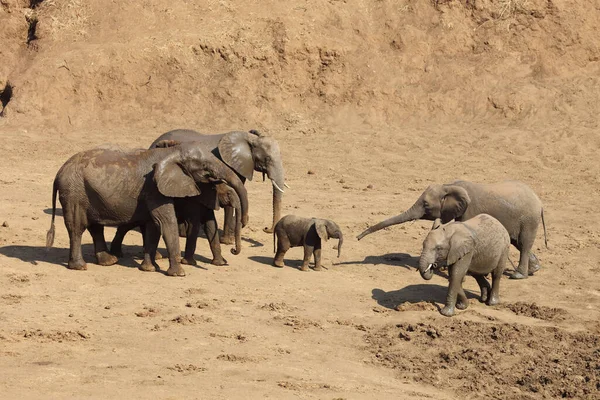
pixel 454 203
pixel 235 150
pixel 171 179
pixel 321 228
pixel 461 243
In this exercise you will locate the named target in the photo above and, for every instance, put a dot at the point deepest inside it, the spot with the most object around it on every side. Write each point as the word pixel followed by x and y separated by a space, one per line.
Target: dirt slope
pixel 378 99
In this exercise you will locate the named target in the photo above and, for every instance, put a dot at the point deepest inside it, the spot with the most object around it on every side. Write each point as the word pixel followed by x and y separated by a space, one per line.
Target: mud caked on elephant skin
pixel 512 203
pixel 111 187
pixel 243 153
pixel 476 247
pixel 293 231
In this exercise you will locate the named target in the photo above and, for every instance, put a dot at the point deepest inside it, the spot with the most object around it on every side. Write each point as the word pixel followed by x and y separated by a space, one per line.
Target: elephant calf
pixel 293 231
pixel 477 246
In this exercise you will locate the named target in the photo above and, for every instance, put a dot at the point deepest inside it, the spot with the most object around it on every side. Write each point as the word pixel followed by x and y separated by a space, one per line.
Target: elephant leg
pixel 116 246
pixel 484 287
pixel 461 299
pixel 525 243
pixel 151 235
pixel 75 224
pixel 457 273
pixel 212 235
pixel 191 239
pixel 534 264
pixel 317 256
pixel 494 297
pixel 308 251
pixel 228 226
pixel 283 245
pixel 102 255
pixel 164 216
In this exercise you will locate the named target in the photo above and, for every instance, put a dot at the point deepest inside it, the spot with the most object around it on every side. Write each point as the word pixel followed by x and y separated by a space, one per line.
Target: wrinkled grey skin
pixel 112 187
pixel 477 247
pixel 293 231
pixel 512 203
pixel 244 152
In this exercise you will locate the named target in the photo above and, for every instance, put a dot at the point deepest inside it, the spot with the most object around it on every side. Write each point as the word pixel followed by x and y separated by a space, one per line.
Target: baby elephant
pixel 477 246
pixel 293 231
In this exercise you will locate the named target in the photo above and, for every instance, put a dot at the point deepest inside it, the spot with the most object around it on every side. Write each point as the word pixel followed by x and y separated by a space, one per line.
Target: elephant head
pixel 328 229
pixel 449 243
pixel 247 152
pixel 447 202
pixel 187 170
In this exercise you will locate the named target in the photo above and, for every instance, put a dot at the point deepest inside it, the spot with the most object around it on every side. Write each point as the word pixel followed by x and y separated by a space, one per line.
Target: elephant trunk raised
pixel 415 212
pixel 276 175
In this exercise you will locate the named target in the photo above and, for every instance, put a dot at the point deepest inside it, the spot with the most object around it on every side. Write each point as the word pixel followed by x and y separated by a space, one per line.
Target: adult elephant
pixel 512 203
pixel 243 152
pixel 112 187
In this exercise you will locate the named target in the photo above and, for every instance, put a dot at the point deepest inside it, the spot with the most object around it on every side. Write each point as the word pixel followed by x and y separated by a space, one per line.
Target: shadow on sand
pixel 414 294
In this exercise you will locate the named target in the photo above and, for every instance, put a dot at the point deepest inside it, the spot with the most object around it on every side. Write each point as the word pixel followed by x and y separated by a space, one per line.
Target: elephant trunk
pixel 238 230
pixel 276 175
pixel 234 181
pixel 426 265
pixel 415 212
pixel 340 242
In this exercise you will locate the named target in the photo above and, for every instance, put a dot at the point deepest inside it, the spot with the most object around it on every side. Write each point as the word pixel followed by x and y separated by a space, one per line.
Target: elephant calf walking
pixel 477 247
pixel 293 231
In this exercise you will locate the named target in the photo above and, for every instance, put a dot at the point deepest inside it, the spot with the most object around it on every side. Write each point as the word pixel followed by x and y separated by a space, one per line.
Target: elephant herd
pixel 174 188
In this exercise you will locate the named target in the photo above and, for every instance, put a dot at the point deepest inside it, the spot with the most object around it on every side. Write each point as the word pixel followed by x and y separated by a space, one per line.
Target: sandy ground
pixel 366 327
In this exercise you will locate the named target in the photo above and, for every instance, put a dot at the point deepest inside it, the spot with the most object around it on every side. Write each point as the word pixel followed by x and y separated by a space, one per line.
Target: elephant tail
pixel 274 241
pixel 544 225
pixel 50 234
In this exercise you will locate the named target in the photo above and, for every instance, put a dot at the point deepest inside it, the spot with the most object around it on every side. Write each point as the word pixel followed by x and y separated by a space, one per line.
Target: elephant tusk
pixel 277 187
pixel 429 267
pixel 287 186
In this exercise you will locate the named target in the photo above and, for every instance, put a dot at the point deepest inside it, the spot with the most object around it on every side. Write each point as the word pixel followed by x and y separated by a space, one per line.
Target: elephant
pixel 244 153
pixel 477 246
pixel 293 231
pixel 111 187
pixel 513 203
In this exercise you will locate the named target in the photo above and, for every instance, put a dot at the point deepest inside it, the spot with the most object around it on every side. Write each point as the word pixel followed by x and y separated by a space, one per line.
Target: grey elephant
pixel 512 203
pixel 112 187
pixel 244 153
pixel 293 231
pixel 478 246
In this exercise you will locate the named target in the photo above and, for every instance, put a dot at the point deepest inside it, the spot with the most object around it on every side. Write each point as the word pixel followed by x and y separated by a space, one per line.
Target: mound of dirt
pixel 535 311
pixel 73 63
pixel 492 360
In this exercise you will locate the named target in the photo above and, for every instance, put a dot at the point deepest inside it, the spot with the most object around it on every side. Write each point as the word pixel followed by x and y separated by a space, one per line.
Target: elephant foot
pixel 77 265
pixel 517 275
pixel 147 267
pixel 447 311
pixel 158 256
pixel 318 268
pixel 218 261
pixel 189 261
pixel 176 271
pixel 462 305
pixel 484 295
pixel 226 240
pixel 304 268
pixel 278 263
pixel 533 269
pixel 493 300
pixel 105 258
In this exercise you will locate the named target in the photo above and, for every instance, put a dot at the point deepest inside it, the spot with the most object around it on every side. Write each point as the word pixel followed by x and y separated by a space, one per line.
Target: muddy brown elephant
pixel 478 247
pixel 512 203
pixel 112 187
pixel 293 231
